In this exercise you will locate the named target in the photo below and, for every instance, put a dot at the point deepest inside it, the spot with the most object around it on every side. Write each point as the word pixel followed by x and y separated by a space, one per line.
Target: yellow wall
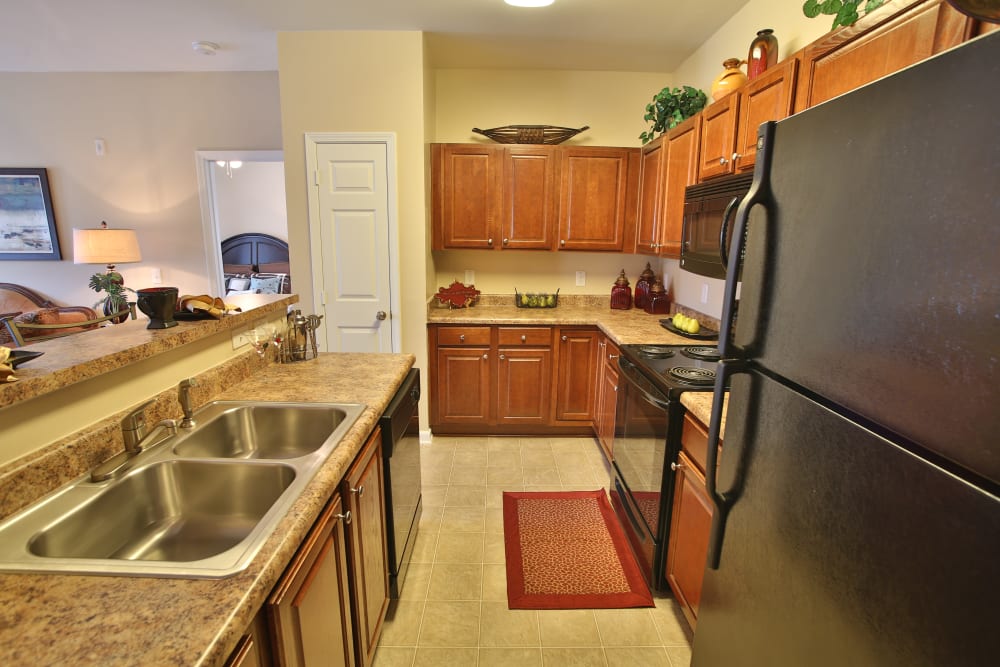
pixel 333 81
pixel 152 124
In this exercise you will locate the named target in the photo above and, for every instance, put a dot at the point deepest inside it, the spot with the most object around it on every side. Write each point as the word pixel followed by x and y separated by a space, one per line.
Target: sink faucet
pixel 134 436
pixel 184 396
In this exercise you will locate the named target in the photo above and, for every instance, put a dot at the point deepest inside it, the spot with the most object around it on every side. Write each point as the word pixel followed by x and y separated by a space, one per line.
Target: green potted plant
pixel 670 107
pixel 844 12
pixel 115 301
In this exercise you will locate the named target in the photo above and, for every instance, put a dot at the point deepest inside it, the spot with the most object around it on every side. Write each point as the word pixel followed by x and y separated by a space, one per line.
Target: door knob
pixel 381 315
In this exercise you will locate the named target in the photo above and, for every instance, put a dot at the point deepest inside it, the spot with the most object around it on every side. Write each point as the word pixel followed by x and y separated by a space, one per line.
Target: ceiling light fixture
pixel 529 3
pixel 205 48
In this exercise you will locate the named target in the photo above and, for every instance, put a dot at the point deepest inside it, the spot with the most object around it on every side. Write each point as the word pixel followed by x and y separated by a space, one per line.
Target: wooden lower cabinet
pixel 363 490
pixel 577 374
pixel 463 394
pixel 254 648
pixel 607 401
pixel 524 376
pixel 690 524
pixel 309 609
pixel 328 607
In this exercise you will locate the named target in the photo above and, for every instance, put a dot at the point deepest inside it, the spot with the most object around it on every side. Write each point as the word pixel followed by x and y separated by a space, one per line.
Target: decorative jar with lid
pixel 621 293
pixel 642 286
pixel 659 299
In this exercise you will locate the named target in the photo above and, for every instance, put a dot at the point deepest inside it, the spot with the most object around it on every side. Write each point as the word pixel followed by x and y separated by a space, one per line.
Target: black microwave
pixel 709 209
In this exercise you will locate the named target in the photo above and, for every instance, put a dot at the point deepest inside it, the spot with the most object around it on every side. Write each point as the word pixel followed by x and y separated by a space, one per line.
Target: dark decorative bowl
pixel 18 357
pixel 530 134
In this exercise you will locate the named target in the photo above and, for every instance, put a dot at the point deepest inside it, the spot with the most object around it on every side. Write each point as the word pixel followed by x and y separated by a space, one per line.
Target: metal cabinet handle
pixel 381 315
pixel 677 466
pixel 612 356
pixel 723 160
pixel 562 241
pixel 489 241
pixel 616 389
pixel 360 490
pixel 564 339
pixel 461 338
pixel 346 516
pixel 486 356
pixel 736 156
pixel 506 241
pixel 502 357
pixel 524 338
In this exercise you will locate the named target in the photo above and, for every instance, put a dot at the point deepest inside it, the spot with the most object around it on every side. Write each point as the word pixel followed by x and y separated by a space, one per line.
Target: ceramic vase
pixel 763 53
pixel 731 78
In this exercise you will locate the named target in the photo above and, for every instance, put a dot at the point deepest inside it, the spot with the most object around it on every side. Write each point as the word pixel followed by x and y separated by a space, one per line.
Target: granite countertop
pixel 88 354
pixel 51 619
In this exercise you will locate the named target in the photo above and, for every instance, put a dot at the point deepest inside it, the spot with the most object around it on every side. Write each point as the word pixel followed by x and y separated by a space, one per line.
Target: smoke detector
pixel 205 48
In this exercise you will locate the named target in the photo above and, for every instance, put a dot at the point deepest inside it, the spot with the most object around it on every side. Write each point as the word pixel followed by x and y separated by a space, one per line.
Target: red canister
pixel 659 299
pixel 621 293
pixel 642 286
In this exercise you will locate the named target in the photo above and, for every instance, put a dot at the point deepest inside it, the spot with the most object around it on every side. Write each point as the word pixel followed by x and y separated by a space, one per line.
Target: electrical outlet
pixel 704 292
pixel 470 277
pixel 581 278
pixel 157 277
pixel 240 337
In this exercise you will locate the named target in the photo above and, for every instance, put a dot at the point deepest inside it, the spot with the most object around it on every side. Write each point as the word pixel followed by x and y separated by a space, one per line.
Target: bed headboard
pixel 254 249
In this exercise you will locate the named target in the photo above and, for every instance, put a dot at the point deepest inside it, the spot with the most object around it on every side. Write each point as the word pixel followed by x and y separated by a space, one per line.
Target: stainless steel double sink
pixel 198 504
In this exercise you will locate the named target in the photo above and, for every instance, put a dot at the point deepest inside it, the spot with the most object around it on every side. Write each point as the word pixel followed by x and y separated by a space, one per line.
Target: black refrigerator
pixel 857 519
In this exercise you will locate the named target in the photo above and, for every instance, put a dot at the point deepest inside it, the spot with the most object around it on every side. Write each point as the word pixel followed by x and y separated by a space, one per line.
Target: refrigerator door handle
pixel 723 252
pixel 759 193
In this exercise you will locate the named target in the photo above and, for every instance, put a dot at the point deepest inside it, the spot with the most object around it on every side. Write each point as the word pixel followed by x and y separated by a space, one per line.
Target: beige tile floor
pixel 453 607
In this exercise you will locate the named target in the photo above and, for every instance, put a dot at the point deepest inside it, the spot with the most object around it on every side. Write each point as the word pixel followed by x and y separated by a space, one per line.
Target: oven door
pixel 640 491
pixel 709 210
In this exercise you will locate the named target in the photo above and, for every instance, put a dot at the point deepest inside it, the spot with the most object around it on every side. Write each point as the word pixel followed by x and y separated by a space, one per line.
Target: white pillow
pixel 238 284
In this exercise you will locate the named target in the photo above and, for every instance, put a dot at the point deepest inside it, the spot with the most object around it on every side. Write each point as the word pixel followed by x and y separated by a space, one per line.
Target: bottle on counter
pixel 621 293
pixel 642 286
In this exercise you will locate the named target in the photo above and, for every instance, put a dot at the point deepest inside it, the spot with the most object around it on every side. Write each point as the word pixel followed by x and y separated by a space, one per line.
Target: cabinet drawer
pixel 694 439
pixel 463 336
pixel 524 336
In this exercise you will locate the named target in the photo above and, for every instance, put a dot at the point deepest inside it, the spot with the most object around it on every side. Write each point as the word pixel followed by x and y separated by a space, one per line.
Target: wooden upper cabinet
pixel 681 170
pixel 718 137
pixel 651 181
pixel 768 97
pixel 598 196
pixel 888 39
pixel 530 195
pixel 466 195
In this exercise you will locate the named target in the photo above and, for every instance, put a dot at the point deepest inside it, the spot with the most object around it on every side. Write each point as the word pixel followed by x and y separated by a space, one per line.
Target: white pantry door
pixel 352 215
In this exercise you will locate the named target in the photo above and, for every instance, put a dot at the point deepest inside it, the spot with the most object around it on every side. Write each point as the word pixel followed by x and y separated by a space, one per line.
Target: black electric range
pixel 648 425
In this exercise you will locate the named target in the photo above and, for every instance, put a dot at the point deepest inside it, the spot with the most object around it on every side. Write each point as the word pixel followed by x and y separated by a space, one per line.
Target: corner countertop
pixel 51 619
pixel 88 354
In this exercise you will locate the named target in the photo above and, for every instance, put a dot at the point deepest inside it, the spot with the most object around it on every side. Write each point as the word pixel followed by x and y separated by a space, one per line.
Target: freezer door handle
pixel 759 193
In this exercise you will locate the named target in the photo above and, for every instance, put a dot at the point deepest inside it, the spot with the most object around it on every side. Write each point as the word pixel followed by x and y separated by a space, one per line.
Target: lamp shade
pixel 105 246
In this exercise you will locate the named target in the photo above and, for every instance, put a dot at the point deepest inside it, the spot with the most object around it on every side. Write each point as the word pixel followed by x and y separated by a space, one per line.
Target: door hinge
pixel 315 176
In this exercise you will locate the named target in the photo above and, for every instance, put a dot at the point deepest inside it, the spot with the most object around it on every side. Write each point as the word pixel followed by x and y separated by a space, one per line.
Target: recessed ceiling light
pixel 529 3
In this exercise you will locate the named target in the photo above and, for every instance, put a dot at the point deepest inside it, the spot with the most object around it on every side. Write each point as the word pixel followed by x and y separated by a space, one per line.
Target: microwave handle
pixel 723 252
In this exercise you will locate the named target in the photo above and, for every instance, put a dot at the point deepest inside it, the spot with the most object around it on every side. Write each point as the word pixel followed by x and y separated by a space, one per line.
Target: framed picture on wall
pixel 27 225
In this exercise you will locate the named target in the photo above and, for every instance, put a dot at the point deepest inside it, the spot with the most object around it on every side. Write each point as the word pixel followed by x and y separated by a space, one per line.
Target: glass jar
pixel 621 293
pixel 642 286
pixel 659 299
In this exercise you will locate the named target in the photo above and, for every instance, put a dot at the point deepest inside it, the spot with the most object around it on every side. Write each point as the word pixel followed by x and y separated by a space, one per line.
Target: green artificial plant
pixel 844 12
pixel 670 107
pixel 113 285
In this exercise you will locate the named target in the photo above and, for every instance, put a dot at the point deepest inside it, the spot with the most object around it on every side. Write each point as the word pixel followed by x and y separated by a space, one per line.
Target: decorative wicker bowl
pixel 530 134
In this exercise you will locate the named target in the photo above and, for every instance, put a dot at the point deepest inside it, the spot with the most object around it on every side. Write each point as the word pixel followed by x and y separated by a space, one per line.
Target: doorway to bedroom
pixel 242 193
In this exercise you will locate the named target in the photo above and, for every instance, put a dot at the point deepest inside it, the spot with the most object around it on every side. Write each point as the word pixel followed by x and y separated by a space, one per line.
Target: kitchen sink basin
pixel 197 503
pixel 260 431
pixel 169 511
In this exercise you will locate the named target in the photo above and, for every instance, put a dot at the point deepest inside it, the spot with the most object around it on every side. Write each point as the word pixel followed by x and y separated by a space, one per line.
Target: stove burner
pixel 697 376
pixel 703 353
pixel 655 351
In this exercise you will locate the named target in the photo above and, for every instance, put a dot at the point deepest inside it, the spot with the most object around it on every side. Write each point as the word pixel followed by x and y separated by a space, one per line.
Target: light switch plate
pixel 581 278
pixel 470 277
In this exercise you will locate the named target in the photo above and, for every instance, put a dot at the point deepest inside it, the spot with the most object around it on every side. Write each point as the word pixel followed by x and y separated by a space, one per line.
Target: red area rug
pixel 565 550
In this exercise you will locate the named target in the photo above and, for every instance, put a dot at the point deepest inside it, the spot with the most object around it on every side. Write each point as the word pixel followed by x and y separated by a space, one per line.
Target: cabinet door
pixel 363 489
pixel 683 143
pixel 608 401
pixel 878 44
pixel 466 194
pixel 718 137
pixel 650 196
pixel 524 378
pixel 253 648
pixel 463 385
pixel 689 531
pixel 597 185
pixel 530 195
pixel 309 609
pixel 768 97
pixel 576 375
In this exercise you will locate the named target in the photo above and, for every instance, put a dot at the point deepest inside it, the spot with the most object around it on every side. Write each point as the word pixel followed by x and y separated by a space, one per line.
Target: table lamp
pixel 109 247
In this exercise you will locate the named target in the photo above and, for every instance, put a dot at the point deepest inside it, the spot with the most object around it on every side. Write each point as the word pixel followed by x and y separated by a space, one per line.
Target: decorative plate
pixel 530 134
pixel 18 357
pixel 458 295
